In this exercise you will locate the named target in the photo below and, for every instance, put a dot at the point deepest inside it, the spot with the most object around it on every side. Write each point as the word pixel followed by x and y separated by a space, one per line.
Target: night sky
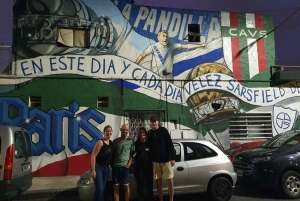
pixel 287 35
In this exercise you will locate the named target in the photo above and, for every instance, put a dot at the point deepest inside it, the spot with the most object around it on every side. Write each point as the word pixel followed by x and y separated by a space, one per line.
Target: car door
pixel 180 172
pixel 200 160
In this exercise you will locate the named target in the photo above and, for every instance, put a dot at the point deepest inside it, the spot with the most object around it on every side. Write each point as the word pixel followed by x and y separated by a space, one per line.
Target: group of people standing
pixel 154 158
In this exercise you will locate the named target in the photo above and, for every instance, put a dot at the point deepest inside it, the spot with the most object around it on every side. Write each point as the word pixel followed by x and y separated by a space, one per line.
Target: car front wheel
pixel 220 189
pixel 290 184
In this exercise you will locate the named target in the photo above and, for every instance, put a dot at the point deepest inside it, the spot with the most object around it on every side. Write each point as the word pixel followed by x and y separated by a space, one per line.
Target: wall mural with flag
pixel 80 65
pixel 252 49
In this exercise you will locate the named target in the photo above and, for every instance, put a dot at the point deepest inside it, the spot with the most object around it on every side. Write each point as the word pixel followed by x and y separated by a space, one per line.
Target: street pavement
pixel 48 187
pixel 64 188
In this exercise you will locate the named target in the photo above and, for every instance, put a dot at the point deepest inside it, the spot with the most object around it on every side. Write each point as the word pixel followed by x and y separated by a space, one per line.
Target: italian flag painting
pixel 248 43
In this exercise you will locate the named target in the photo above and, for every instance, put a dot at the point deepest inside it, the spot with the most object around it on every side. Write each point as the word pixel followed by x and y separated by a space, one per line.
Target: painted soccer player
pixel 163 54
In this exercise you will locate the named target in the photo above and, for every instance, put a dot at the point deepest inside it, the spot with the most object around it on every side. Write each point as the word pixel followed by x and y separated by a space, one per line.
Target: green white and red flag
pixel 248 43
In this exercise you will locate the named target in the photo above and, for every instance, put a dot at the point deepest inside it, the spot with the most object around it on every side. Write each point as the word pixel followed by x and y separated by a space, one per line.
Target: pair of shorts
pixel 120 175
pixel 163 169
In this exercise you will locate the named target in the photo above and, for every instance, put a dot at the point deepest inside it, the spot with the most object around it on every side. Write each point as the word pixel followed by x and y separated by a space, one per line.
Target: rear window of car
pixel 282 141
pixel 22 145
pixel 195 151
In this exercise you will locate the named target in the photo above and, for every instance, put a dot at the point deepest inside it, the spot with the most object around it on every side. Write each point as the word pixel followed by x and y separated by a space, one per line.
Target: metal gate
pixel 141 118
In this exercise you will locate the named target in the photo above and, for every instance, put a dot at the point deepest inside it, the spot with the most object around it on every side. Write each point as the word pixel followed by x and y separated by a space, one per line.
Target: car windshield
pixel 287 139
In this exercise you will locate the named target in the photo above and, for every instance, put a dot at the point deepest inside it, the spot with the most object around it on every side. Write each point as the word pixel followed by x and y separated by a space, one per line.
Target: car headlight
pixel 260 159
pixel 86 181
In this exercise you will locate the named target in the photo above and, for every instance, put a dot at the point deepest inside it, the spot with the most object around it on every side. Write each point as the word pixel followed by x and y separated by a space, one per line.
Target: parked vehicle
pixel 15 161
pixel 274 164
pixel 200 167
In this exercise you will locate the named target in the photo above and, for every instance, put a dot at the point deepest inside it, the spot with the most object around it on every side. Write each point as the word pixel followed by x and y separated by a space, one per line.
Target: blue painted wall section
pixel 49 125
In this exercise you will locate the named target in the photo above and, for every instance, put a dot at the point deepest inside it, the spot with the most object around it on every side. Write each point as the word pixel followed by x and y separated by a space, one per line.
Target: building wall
pixel 198 95
pixel 5 57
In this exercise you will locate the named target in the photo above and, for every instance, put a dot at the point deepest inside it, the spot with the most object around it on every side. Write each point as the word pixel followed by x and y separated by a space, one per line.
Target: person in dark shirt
pixel 163 156
pixel 143 165
pixel 100 161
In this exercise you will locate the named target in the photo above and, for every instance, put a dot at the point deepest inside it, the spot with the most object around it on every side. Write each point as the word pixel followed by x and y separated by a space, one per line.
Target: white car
pixel 200 167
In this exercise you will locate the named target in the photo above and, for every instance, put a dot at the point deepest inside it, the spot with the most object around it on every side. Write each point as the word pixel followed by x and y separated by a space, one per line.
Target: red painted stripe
pixel 236 58
pixel 75 165
pixel 234 19
pixel 258 21
pixel 261 51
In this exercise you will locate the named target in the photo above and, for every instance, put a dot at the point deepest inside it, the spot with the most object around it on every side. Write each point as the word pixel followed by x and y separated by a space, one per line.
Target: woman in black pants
pixel 143 165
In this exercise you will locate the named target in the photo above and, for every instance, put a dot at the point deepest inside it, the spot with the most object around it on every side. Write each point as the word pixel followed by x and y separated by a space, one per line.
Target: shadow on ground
pixel 51 194
pixel 65 195
pixel 259 193
pixel 239 193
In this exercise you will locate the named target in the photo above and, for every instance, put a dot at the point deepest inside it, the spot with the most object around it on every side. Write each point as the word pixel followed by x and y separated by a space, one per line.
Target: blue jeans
pixel 99 181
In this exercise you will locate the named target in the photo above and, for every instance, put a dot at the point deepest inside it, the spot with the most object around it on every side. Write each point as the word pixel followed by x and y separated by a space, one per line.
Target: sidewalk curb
pixel 47 193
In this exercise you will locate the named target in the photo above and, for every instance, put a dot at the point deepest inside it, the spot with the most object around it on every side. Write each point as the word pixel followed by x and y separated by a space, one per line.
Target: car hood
pixel 260 152
pixel 87 174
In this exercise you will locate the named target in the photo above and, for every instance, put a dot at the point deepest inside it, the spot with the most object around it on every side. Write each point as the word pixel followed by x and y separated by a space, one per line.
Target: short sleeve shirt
pixel 123 150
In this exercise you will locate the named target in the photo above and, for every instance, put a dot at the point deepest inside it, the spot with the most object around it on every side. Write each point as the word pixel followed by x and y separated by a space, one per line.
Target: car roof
pixel 290 131
pixel 207 142
pixel 190 140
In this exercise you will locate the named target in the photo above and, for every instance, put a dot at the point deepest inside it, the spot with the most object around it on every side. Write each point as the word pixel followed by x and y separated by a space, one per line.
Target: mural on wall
pixel 284 118
pixel 60 137
pixel 249 32
pixel 144 50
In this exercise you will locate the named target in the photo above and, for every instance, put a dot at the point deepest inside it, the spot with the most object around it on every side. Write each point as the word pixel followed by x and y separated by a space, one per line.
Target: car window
pixel 291 142
pixel 195 151
pixel 28 144
pixel 283 140
pixel 189 150
pixel 177 152
pixel 19 145
pixel 22 145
